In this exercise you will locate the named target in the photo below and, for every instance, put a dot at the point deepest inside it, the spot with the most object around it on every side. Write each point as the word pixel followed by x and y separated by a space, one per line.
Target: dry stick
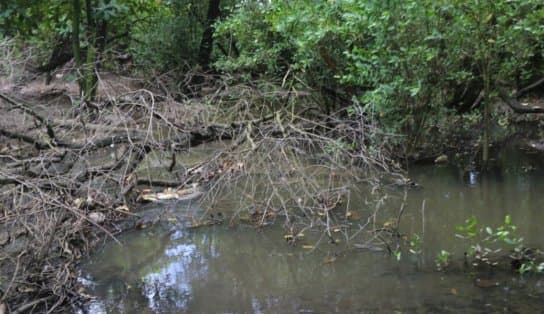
pixel 84 147
pixel 524 90
pixel 15 272
pixel 401 211
pixel 45 247
pixel 25 138
pixel 57 304
pixel 478 100
pixel 267 131
pixel 385 243
pixel 54 202
pixel 423 218
pixel 27 306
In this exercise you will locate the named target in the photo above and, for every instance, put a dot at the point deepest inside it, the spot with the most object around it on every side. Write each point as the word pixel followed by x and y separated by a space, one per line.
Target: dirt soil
pixel 68 177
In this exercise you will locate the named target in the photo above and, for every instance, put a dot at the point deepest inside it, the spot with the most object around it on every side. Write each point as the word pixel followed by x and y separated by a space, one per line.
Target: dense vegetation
pixel 409 63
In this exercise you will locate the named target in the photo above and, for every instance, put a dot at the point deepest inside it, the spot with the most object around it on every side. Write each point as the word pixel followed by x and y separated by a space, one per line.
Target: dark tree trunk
pixel 101 39
pixel 206 43
pixel 76 47
pixel 61 54
pixel 91 78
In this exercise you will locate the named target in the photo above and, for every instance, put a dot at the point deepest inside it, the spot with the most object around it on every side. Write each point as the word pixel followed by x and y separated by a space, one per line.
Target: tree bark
pixel 76 21
pixel 91 78
pixel 487 97
pixel 206 43
pixel 101 39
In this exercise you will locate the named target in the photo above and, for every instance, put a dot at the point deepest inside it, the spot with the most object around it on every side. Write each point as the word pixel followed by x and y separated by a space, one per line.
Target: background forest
pixel 412 64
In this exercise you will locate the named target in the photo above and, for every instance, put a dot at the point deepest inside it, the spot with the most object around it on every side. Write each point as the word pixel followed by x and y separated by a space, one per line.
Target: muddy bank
pixel 458 142
pixel 73 174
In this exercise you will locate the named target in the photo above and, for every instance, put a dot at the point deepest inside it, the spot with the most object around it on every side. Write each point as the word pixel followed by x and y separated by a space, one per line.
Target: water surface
pixel 222 269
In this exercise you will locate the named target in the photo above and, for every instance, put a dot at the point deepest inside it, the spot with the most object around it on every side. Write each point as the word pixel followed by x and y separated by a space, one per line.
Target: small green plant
pixel 487 241
pixel 469 229
pixel 504 233
pixel 442 260
pixel 397 254
pixel 415 245
pixel 531 267
pixel 488 244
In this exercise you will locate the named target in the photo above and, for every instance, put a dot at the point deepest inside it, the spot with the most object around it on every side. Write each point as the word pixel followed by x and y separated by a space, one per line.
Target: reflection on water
pixel 239 270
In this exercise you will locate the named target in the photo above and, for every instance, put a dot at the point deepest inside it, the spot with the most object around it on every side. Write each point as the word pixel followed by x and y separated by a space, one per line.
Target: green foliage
pixel 169 35
pixel 33 17
pixel 416 245
pixel 504 233
pixel 488 245
pixel 469 229
pixel 405 60
pixel 397 254
pixel 406 63
pixel 110 10
pixel 160 34
pixel 487 237
pixel 531 266
pixel 442 260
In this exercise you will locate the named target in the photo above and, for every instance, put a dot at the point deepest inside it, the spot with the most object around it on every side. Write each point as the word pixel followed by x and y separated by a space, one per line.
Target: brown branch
pixel 27 306
pixel 25 138
pixel 7 180
pixel 157 182
pixel 101 142
pixel 524 90
pixel 516 105
pixel 478 100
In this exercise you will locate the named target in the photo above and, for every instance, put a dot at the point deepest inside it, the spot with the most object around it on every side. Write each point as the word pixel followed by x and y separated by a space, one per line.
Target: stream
pixel 222 269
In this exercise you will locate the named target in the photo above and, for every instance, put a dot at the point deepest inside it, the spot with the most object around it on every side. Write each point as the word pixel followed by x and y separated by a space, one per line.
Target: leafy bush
pixel 406 60
pixel 488 245
pixel 169 35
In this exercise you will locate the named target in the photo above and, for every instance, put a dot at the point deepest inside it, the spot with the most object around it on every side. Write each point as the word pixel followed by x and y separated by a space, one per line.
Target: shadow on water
pixel 237 270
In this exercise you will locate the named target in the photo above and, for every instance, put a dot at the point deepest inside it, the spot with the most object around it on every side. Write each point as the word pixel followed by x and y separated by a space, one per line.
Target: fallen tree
pixel 68 178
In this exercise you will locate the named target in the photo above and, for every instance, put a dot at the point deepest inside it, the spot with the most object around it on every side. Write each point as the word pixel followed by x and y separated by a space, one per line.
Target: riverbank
pixel 73 175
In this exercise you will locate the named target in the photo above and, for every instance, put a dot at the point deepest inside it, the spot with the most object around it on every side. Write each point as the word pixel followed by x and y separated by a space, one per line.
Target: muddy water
pixel 238 270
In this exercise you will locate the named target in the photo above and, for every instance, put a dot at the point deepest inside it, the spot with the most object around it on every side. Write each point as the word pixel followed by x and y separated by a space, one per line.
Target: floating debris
pixel 171 194
pixel 97 217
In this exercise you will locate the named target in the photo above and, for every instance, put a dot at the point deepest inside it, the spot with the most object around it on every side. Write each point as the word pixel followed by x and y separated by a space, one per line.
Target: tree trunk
pixel 101 39
pixel 487 98
pixel 91 78
pixel 206 43
pixel 76 21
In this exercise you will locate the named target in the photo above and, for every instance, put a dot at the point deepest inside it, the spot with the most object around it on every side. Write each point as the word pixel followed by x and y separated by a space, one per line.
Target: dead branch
pixel 25 138
pixel 516 105
pixel 297 167
pixel 529 88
